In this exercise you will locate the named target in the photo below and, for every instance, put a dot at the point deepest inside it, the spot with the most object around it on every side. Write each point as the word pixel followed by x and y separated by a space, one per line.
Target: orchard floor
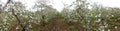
pixel 59 25
pixel 56 25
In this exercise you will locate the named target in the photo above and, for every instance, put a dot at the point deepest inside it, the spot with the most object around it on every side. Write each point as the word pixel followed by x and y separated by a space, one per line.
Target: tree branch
pixel 19 22
pixel 6 4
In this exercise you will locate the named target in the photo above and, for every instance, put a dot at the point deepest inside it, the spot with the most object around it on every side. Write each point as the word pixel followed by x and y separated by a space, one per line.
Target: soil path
pixel 56 25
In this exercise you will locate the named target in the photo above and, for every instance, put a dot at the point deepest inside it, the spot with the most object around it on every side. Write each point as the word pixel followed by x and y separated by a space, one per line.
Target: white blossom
pixel 17 27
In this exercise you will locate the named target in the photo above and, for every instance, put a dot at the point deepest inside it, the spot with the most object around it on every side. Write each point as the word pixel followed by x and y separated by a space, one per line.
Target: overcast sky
pixel 58 4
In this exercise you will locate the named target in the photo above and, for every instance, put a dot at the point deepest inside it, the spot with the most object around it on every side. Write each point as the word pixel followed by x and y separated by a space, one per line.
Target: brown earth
pixel 78 26
pixel 56 25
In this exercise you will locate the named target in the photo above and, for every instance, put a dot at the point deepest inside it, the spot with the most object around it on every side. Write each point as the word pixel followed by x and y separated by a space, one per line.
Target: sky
pixel 58 4
pixel 108 3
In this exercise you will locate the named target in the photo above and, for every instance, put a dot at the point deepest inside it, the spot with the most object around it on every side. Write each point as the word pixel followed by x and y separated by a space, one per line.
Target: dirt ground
pixel 56 25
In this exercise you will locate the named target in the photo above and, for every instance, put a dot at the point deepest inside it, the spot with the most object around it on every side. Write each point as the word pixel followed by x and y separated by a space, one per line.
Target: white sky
pixel 109 3
pixel 58 4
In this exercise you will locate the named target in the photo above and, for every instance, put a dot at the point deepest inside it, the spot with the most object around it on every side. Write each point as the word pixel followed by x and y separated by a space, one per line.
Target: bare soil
pixel 56 25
